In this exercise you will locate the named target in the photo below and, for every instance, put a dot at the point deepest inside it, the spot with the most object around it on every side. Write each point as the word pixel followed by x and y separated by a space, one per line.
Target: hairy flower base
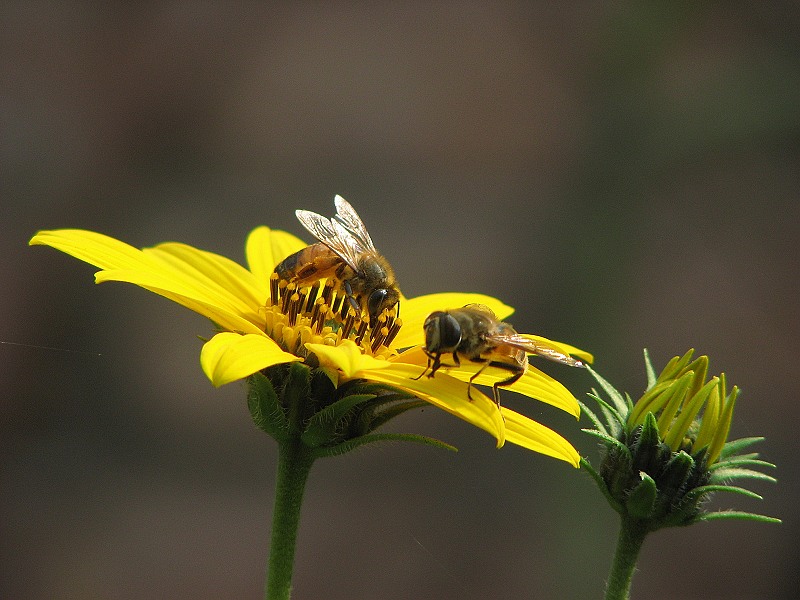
pixel 264 322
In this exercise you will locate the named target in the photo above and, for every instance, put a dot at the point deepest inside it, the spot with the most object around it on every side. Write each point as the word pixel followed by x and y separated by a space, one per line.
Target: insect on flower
pixel 346 256
pixel 476 334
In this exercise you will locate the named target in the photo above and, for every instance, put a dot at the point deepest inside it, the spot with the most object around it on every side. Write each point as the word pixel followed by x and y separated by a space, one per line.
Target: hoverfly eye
pixel 375 301
pixel 442 332
pixel 431 327
pixel 449 332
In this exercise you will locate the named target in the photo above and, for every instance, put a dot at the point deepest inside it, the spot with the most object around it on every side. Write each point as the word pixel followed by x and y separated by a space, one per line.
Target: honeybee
pixel 474 333
pixel 346 254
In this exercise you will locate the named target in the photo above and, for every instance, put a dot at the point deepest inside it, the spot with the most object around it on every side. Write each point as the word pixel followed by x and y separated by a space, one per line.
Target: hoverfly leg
pixel 432 359
pixel 516 370
pixel 435 363
pixel 478 372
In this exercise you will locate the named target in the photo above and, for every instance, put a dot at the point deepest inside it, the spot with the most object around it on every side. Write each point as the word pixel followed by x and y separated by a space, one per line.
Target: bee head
pixel 442 332
pixel 379 299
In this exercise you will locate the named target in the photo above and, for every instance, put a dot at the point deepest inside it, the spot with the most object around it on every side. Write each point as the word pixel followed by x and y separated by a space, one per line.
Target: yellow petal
pixel 267 247
pixel 534 436
pixel 229 356
pixel 540 386
pixel 176 289
pixel 534 383
pixel 446 393
pixel 443 392
pixel 178 272
pixel 414 311
pixel 347 357
pixel 94 248
pixel 221 275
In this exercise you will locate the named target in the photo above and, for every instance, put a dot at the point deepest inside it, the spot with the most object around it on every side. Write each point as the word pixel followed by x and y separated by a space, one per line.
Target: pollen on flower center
pixel 318 314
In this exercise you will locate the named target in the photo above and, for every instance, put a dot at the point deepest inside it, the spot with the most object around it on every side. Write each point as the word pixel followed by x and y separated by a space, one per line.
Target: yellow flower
pixel 262 325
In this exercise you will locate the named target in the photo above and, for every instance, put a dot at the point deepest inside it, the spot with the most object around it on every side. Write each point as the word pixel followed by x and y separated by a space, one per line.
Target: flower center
pixel 323 314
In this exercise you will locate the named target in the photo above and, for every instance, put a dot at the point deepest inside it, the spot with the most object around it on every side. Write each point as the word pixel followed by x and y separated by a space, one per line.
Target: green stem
pixel 294 464
pixel 629 543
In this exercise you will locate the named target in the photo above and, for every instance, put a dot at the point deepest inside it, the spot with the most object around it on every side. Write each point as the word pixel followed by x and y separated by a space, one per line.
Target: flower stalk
pixel 294 465
pixel 629 543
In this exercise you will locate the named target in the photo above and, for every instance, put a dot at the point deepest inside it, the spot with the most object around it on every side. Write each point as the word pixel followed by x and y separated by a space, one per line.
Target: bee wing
pixel 332 234
pixel 351 246
pixel 348 217
pixel 545 351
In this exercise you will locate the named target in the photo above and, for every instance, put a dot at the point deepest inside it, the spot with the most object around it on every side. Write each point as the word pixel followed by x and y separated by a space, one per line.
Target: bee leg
pixel 348 290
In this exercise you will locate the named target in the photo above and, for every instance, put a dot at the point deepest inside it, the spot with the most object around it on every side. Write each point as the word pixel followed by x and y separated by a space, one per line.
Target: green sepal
pixel 677 472
pixel 730 473
pixel 601 484
pixel 646 449
pixel 608 441
pixel 642 498
pixel 265 409
pixel 741 461
pixel 617 471
pixel 322 388
pixel 651 372
pixel 360 386
pixel 332 375
pixel 737 516
pixel 389 409
pixel 325 426
pixel 736 446
pixel 598 424
pixel 673 483
pixel 615 421
pixel 295 393
pixel 618 401
pixel 354 443
pixel 704 490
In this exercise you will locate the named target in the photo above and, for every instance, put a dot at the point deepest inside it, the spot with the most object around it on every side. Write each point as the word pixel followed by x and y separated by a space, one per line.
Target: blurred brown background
pixel 625 174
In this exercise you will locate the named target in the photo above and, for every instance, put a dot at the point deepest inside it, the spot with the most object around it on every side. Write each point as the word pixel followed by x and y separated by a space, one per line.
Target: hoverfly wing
pixel 328 233
pixel 480 308
pixel 348 217
pixel 558 356
pixel 531 347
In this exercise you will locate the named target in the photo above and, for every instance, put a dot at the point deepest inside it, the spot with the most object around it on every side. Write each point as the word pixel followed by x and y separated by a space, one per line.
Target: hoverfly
pixel 474 333
pixel 346 254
